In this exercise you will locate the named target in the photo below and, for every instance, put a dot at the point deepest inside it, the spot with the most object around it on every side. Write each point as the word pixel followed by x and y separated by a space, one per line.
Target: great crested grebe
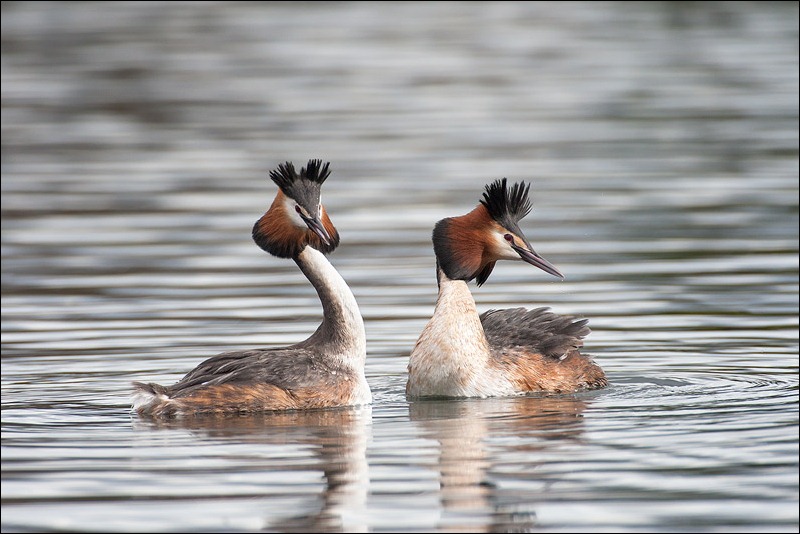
pixel 325 370
pixel 501 352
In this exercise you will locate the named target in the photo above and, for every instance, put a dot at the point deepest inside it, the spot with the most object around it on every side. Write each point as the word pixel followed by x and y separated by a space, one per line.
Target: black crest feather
pixel 507 205
pixel 314 171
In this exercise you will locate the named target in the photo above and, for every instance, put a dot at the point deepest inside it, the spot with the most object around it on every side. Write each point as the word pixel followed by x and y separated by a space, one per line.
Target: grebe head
pixel 296 218
pixel 467 247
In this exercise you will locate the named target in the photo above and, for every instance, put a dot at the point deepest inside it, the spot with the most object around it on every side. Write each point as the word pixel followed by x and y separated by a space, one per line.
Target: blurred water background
pixel 661 139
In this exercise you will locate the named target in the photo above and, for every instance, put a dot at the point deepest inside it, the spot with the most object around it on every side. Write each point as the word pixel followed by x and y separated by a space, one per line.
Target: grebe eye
pixel 509 238
pixel 297 209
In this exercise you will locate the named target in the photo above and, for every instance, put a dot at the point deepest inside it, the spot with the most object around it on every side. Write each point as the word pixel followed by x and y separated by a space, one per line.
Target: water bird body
pixel 500 352
pixel 325 370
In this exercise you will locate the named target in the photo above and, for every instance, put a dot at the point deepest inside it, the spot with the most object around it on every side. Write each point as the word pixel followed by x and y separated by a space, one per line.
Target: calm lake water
pixel 661 140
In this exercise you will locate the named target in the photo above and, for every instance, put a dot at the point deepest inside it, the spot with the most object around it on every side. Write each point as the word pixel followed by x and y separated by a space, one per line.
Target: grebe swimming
pixel 501 352
pixel 325 370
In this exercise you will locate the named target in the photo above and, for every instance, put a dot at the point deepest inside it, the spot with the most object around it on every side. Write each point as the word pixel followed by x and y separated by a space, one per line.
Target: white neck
pixel 452 354
pixel 341 333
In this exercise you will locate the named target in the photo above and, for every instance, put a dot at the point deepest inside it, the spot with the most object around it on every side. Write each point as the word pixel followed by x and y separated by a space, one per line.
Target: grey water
pixel 661 142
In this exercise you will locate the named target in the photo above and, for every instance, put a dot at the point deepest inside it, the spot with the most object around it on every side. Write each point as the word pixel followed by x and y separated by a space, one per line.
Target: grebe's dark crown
pixel 285 176
pixel 303 188
pixel 507 205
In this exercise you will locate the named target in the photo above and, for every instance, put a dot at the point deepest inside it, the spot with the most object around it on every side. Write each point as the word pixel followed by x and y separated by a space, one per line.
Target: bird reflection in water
pixel 338 438
pixel 470 500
